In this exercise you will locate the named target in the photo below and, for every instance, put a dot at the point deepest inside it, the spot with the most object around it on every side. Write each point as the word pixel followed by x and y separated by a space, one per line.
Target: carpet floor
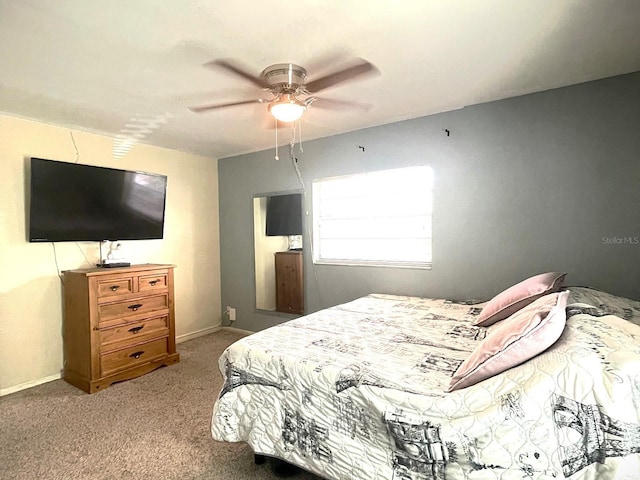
pixel 153 427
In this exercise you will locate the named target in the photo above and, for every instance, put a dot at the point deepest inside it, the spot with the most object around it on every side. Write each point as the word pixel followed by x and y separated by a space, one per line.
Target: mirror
pixel 278 255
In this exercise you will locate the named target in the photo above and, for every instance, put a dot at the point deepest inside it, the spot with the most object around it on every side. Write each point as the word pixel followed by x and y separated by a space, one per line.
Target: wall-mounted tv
pixel 284 215
pixel 75 202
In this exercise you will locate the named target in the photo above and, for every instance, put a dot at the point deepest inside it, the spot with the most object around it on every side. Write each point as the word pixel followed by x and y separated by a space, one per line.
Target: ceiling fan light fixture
pixel 287 108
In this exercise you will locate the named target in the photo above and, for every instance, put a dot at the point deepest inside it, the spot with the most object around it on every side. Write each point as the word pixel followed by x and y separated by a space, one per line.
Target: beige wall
pixel 31 305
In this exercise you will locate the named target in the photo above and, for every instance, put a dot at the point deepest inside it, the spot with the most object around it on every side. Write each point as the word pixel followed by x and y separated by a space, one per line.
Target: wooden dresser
pixel 289 282
pixel 118 324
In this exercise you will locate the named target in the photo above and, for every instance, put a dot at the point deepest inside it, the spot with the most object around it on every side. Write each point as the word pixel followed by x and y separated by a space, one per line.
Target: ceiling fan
pixel 288 86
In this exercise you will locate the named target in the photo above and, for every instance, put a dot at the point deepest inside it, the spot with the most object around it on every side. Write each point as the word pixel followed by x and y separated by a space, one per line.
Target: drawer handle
pixel 137 355
pixel 136 329
pixel 153 282
pixel 115 287
pixel 134 307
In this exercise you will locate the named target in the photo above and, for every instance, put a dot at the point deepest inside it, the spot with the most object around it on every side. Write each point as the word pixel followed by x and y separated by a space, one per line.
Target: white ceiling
pixel 101 65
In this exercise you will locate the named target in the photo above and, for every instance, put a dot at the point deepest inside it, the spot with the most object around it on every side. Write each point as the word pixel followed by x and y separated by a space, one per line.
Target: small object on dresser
pixel 116 257
pixel 116 265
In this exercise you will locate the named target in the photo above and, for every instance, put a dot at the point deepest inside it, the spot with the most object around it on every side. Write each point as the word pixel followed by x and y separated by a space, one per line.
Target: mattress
pixel 358 391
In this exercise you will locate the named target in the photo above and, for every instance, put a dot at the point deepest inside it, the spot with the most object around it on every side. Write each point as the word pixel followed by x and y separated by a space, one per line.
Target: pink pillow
pixel 519 295
pixel 519 338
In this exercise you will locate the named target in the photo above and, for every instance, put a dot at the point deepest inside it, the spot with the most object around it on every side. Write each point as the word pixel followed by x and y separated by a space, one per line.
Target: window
pixel 377 218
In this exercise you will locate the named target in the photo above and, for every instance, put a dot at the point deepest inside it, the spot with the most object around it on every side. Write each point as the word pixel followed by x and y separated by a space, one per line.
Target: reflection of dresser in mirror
pixel 289 282
pixel 277 227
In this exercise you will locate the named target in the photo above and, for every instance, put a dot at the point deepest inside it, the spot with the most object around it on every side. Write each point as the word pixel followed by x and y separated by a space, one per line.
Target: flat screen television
pixel 284 215
pixel 75 202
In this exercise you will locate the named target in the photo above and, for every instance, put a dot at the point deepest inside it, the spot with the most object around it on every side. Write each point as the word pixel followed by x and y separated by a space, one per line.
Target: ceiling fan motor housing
pixel 286 76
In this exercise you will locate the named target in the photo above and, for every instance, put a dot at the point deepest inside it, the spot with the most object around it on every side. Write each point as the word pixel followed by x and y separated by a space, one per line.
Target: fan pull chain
pixel 292 141
pixel 296 132
pixel 276 157
pixel 294 160
pixel 300 137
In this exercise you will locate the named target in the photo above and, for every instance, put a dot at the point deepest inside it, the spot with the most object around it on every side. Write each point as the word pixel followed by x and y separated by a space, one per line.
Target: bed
pixel 360 391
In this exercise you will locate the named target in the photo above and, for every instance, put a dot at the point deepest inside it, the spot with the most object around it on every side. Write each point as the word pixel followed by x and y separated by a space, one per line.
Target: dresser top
pixel 109 271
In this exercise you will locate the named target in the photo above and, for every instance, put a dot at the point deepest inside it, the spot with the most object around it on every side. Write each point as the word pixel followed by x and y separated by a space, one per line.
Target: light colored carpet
pixel 152 427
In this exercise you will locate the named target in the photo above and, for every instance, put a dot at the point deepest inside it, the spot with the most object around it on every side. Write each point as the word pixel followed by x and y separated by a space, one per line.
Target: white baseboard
pixel 179 339
pixel 32 383
pixel 238 330
pixel 197 333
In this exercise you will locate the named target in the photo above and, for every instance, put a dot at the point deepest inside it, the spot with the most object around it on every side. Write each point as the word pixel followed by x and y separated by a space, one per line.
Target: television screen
pixel 284 215
pixel 74 202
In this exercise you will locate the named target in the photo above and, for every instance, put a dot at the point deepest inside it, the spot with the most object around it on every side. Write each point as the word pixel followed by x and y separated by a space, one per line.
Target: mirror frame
pixel 253 235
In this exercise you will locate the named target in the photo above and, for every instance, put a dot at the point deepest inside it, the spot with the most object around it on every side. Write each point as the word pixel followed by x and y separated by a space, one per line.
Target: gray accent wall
pixel 543 182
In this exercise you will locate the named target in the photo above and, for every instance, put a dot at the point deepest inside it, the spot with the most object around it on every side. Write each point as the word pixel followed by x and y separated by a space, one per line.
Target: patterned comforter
pixel 357 391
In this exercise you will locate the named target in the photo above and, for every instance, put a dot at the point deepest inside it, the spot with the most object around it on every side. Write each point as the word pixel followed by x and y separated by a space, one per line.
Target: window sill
pixel 363 263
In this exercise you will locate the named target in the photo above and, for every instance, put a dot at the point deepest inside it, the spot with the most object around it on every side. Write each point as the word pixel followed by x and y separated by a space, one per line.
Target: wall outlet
pixel 231 313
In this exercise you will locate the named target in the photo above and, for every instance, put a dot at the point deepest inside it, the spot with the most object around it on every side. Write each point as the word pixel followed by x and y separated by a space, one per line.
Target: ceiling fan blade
pixel 361 68
pixel 236 68
pixel 337 104
pixel 205 108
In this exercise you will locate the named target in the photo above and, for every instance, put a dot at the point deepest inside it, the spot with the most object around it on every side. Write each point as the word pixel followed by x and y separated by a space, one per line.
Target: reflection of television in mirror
pixel 74 202
pixel 284 215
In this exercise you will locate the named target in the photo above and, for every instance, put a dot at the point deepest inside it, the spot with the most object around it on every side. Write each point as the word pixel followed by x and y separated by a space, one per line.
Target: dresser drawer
pixel 115 286
pixel 136 355
pixel 133 306
pixel 153 282
pixel 135 331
